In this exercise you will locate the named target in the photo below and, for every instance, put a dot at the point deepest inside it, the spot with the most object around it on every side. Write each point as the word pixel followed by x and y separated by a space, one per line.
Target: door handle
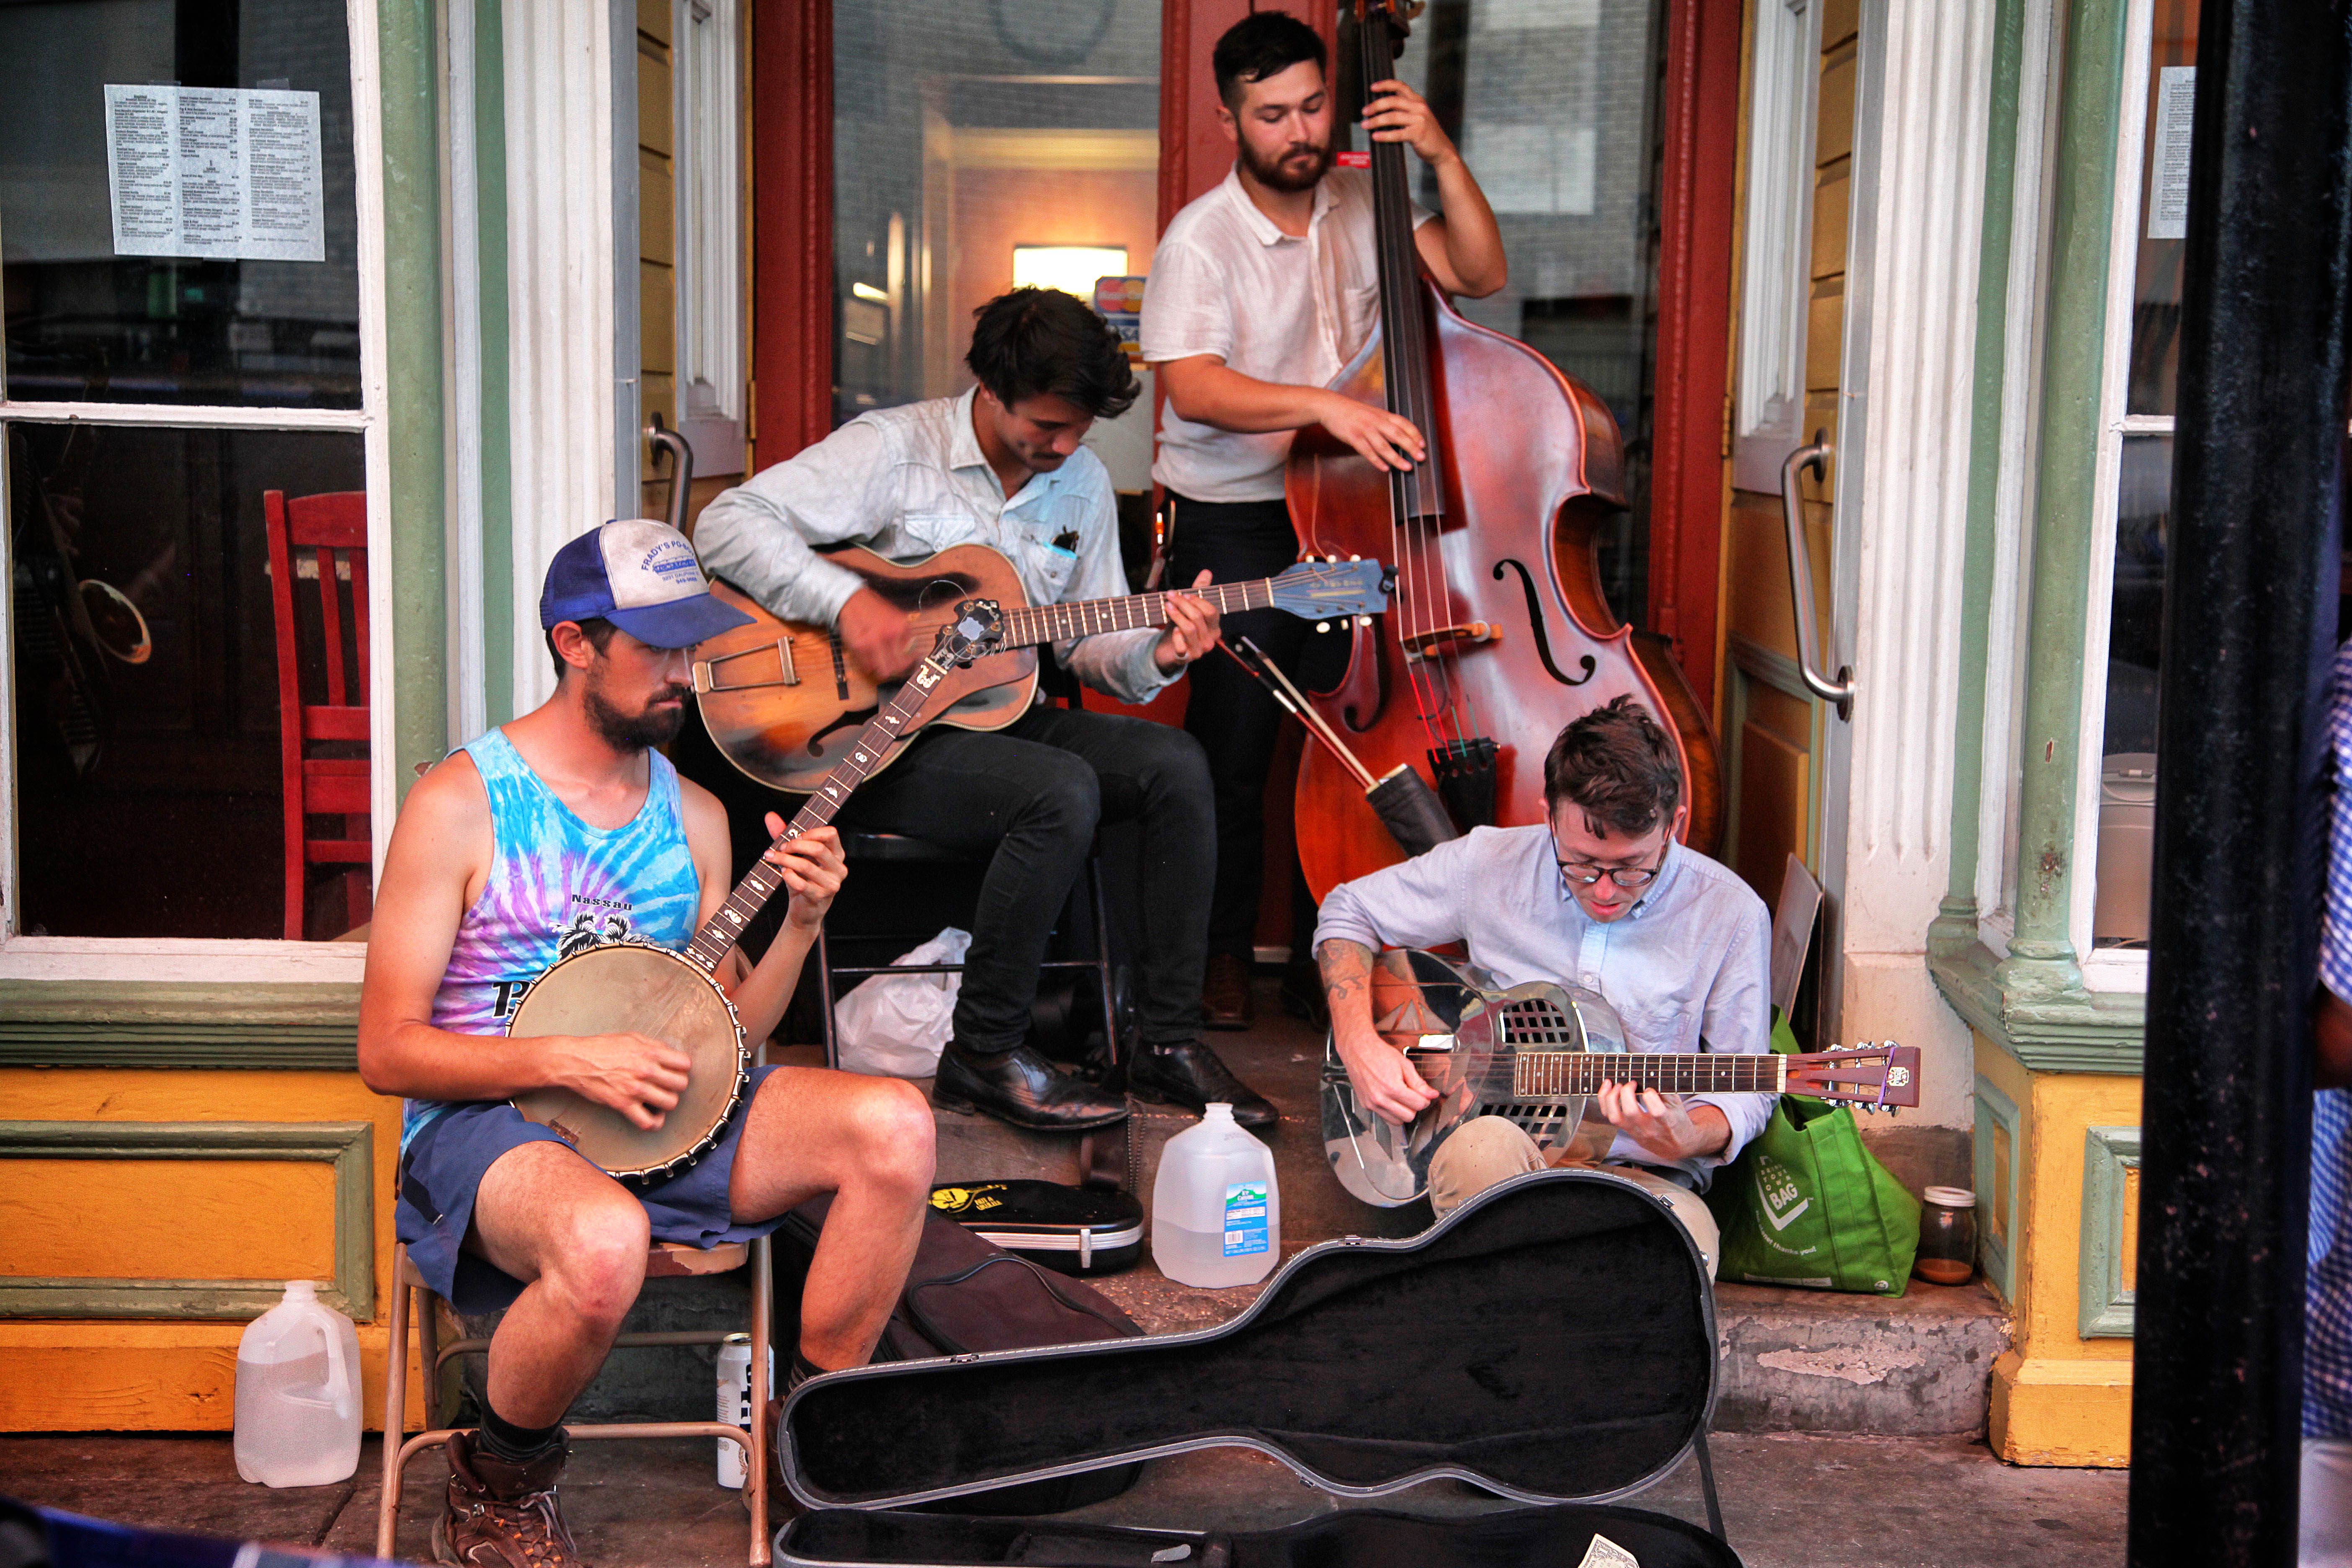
pixel 681 467
pixel 1800 577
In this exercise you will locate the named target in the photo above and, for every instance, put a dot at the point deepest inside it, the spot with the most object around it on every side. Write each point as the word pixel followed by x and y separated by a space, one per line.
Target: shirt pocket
pixel 1050 567
pixel 935 531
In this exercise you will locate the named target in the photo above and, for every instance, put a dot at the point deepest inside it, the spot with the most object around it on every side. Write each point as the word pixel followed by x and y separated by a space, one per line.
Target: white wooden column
pixel 1902 523
pixel 563 403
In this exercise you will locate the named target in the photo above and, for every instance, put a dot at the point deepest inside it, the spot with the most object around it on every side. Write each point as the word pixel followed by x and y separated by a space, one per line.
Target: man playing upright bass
pixel 1261 292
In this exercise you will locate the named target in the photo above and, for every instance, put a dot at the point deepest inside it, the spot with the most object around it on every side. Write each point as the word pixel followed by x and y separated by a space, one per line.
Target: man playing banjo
pixel 1600 896
pixel 566 828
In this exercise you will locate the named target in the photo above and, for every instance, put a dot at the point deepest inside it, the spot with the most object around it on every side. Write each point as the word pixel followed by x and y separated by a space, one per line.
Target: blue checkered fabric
pixel 2327 1316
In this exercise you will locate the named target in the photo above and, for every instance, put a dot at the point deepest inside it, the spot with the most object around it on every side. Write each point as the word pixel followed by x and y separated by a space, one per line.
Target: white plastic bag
pixel 897 1025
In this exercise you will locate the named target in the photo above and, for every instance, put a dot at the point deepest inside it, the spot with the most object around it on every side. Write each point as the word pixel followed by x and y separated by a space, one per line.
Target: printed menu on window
pixel 216 172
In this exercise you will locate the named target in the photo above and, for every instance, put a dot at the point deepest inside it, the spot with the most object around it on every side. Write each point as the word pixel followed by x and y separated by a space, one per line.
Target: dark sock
pixel 802 1369
pixel 516 1445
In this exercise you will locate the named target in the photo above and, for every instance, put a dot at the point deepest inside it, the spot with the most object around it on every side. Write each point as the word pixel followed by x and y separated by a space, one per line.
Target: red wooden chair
pixel 328 533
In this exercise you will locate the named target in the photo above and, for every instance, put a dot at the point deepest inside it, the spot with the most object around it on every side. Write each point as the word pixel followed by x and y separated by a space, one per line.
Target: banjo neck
pixel 866 753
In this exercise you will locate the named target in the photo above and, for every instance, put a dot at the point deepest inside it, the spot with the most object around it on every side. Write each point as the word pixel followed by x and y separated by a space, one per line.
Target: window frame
pixel 235 959
pixel 2111 969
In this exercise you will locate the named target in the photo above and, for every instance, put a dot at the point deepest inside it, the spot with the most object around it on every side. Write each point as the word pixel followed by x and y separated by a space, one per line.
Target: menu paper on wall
pixel 216 172
pixel 2167 186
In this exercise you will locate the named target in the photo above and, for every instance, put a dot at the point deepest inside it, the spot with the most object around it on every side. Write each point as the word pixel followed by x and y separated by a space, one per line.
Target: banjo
pixel 675 997
pixel 1537 1053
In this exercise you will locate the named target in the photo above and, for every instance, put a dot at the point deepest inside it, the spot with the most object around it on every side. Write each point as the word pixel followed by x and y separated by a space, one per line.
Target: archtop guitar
pixel 783 698
pixel 1537 1053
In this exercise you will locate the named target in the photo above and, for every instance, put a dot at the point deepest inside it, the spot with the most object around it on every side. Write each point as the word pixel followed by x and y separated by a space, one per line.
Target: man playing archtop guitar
pixel 1601 896
pixel 1002 464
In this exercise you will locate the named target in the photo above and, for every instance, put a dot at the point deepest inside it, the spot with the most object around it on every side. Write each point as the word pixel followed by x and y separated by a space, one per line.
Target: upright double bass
pixel 1497 632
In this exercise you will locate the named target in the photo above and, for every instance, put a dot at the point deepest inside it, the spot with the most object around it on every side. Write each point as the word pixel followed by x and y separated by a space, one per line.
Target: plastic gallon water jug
pixel 297 1393
pixel 1216 1216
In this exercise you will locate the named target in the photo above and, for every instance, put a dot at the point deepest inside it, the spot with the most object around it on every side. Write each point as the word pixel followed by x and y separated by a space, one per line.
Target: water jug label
pixel 1246 1219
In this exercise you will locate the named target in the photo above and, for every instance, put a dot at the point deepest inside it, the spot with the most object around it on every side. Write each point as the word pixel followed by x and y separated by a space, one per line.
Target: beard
pixel 1280 175
pixel 639 732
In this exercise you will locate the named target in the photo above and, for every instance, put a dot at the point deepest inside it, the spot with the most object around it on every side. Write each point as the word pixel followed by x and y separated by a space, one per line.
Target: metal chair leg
pixel 755 1479
pixel 1112 1043
pixel 395 1407
pixel 825 995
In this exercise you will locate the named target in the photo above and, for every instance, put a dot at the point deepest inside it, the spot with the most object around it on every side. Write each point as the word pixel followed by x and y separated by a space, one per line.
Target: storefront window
pixel 179 241
pixel 973 144
pixel 1554 105
pixel 148 798
pixel 177 222
pixel 2144 345
pixel 2164 209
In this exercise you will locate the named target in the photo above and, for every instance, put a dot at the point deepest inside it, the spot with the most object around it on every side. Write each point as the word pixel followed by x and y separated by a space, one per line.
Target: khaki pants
pixel 1491 1149
pixel 2326 1533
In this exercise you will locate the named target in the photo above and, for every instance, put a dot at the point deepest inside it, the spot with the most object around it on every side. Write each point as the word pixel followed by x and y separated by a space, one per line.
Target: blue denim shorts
pixel 443 1166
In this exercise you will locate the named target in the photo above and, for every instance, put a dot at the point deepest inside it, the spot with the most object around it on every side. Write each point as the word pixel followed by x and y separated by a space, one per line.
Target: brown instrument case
pixel 1552 1340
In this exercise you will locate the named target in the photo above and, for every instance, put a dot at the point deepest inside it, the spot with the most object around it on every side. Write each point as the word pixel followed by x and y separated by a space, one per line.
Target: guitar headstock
pixel 1883 1075
pixel 1315 589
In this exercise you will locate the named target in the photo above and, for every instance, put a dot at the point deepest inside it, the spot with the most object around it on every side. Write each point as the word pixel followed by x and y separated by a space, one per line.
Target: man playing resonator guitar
pixel 1601 896
pixel 1002 464
pixel 565 828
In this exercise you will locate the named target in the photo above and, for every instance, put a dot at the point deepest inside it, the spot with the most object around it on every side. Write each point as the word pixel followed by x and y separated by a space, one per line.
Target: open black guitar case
pixel 1552 1340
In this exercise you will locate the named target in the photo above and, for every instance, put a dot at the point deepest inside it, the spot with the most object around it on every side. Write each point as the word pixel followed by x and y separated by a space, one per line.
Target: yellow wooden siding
pixel 167 1219
pixel 174 1375
pixel 1776 778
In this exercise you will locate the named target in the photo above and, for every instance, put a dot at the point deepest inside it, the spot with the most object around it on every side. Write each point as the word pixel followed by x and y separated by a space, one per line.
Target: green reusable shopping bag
pixel 1805 1203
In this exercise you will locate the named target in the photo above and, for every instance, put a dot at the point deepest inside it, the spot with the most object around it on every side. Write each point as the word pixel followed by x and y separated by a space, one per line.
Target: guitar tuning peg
pixel 1322 626
pixel 1363 620
pixel 1355 558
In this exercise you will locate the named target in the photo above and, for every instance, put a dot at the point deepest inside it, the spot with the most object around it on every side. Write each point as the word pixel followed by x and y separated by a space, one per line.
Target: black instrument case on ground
pixel 1551 1340
pixel 1072 1230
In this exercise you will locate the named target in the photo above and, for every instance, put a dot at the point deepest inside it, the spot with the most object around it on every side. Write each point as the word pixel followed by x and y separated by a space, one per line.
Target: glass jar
pixel 1948 1237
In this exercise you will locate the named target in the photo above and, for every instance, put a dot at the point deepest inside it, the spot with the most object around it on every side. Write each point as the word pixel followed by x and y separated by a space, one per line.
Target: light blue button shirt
pixel 1692 959
pixel 908 482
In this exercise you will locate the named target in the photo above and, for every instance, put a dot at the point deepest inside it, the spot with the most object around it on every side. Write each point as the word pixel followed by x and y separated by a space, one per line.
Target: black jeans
pixel 1028 796
pixel 1228 711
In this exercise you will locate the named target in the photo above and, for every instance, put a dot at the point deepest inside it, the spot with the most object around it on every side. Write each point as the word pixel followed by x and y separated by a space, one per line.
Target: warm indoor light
pixel 1071 268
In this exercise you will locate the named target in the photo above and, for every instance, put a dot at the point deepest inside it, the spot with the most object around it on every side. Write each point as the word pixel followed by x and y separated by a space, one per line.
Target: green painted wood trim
pixel 1996 1109
pixel 496 438
pixel 405 33
pixel 2104 1309
pixel 2042 963
pixel 2087 1031
pixel 124 1024
pixel 349 1146
pixel 1958 913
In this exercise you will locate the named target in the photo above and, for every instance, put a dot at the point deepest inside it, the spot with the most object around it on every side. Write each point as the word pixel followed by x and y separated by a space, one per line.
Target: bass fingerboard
pixel 722 929
pixel 1543 1074
pixel 1034 623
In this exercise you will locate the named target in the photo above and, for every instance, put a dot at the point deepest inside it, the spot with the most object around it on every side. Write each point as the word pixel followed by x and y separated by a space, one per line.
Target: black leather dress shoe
pixel 1194 1077
pixel 1021 1086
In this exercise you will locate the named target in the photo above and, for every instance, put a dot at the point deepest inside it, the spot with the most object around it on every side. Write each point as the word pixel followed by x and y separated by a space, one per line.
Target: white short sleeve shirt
pixel 1227 281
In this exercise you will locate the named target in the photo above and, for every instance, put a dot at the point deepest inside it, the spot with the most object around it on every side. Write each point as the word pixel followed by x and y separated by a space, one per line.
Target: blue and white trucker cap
pixel 642 576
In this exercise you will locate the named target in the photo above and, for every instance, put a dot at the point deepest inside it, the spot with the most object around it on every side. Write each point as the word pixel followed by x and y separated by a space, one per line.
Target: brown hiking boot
pixel 501 1514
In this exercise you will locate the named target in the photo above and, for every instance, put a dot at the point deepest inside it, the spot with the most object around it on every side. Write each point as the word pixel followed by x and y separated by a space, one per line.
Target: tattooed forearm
pixel 1346 969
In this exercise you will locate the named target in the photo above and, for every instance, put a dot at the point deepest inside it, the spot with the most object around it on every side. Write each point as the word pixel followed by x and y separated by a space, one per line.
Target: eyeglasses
pixel 1630 877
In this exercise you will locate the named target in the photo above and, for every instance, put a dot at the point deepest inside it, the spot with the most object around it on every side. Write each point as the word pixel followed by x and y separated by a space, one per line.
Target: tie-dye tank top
pixel 556 885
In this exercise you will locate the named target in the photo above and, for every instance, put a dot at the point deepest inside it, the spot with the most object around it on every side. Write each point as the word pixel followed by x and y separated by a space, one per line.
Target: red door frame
pixel 792 355
pixel 1688 467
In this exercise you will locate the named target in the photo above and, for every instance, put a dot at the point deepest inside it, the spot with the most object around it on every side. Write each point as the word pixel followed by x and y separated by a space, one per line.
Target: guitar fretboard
pixel 866 753
pixel 1536 1074
pixel 1035 624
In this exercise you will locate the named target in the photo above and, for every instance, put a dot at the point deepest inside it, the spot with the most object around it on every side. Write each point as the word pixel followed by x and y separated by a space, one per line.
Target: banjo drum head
pixel 627 987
